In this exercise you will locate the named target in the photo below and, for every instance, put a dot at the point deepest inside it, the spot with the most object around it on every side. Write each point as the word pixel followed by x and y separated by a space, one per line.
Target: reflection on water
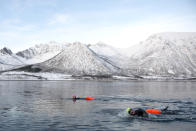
pixel 47 105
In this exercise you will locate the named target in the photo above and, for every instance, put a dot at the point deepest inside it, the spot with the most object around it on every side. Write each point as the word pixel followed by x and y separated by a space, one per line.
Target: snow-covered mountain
pixel 42 52
pixel 170 54
pixel 110 54
pixel 37 54
pixel 5 51
pixel 104 49
pixel 78 59
pixel 163 54
pixel 8 60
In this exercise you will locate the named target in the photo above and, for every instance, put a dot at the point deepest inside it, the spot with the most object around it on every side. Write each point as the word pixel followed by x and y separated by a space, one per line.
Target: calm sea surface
pixel 47 105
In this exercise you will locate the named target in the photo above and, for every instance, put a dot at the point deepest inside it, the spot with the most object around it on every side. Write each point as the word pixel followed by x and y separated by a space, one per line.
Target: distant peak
pixel 101 44
pixel 174 35
pixel 6 50
pixel 78 44
pixel 53 42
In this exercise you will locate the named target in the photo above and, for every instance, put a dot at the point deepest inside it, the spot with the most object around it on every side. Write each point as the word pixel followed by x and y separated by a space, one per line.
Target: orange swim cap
pixel 154 111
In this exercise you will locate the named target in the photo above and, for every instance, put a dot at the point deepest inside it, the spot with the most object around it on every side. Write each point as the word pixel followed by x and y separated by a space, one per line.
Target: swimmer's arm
pixel 165 108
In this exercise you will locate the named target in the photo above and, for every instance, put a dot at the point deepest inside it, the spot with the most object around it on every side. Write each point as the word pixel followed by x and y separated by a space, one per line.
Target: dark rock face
pixel 5 50
pixel 28 53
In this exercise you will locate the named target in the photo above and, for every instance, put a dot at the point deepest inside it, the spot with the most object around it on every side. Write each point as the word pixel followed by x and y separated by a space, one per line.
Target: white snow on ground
pixel 123 78
pixel 13 75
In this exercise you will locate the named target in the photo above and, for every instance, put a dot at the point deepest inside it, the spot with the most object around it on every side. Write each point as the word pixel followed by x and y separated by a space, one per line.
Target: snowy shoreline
pixel 25 76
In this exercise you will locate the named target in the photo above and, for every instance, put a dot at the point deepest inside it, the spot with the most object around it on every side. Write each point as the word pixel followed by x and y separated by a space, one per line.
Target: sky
pixel 120 23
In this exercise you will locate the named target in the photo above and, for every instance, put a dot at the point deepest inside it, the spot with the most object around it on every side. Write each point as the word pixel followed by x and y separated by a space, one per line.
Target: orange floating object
pixel 154 111
pixel 89 98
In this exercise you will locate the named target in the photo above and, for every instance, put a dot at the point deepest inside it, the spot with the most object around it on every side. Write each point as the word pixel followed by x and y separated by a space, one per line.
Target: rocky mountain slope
pixel 42 52
pixel 165 54
pixel 77 59
pixel 9 60
pixel 110 54
pixel 161 55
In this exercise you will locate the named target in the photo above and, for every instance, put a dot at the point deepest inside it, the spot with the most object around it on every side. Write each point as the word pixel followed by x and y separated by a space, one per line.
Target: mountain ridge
pixel 162 54
pixel 168 54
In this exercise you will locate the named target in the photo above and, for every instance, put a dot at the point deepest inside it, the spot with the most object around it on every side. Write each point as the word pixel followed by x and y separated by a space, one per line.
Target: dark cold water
pixel 47 105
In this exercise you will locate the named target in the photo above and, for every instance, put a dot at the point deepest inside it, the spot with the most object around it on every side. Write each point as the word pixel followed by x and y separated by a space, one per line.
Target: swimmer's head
pixel 128 110
pixel 74 96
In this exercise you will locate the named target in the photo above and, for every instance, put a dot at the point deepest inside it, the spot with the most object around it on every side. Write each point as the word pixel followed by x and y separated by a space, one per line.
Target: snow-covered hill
pixel 161 55
pixel 8 60
pixel 110 54
pixel 165 54
pixel 78 59
pixel 42 52
pixel 104 49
